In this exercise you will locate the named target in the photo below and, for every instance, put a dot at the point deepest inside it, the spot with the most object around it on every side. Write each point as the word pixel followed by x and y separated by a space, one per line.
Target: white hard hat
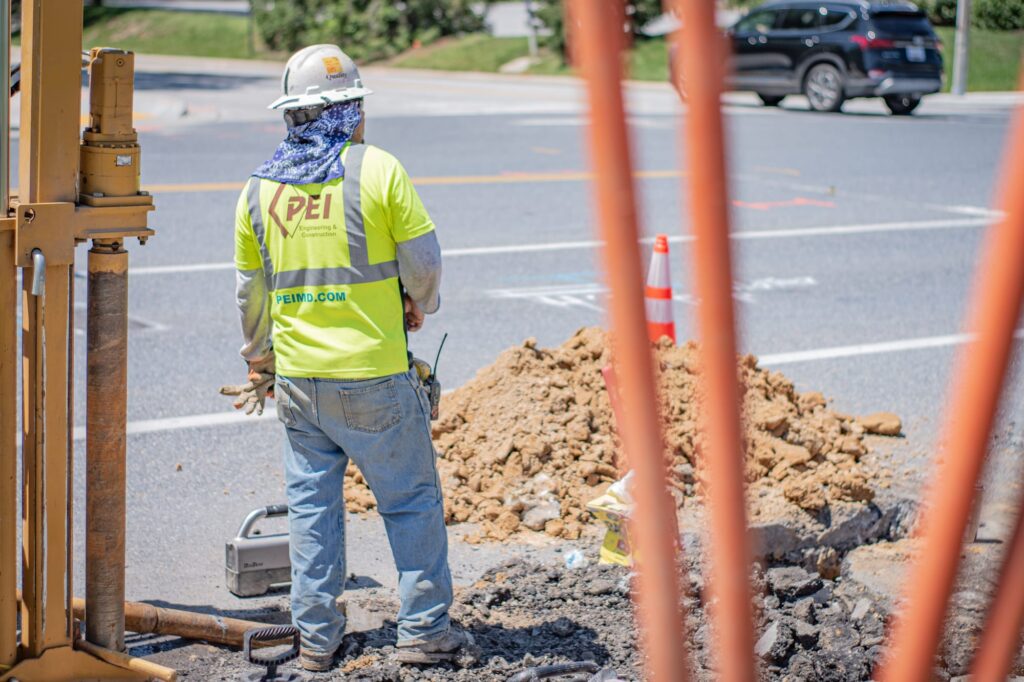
pixel 319 74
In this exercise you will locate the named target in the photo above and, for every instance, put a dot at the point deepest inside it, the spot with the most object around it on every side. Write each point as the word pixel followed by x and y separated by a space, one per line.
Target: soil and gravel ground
pixel 523 614
pixel 527 443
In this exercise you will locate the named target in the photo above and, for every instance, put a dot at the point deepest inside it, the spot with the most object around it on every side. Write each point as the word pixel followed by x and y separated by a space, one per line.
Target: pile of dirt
pixel 530 440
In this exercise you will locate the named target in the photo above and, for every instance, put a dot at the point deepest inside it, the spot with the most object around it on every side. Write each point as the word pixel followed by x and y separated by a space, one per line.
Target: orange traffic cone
pixel 658 294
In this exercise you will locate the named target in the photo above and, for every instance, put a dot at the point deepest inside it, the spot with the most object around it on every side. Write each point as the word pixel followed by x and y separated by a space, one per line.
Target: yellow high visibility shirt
pixel 327 252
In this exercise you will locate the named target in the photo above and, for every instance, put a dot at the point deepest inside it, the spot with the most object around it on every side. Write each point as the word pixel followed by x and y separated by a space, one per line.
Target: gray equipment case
pixel 255 562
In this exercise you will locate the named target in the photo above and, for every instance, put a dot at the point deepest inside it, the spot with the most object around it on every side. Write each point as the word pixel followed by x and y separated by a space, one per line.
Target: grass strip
pixel 474 52
pixel 154 31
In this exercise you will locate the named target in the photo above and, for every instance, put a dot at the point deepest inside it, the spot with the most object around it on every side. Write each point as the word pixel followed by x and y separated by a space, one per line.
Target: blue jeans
pixel 383 425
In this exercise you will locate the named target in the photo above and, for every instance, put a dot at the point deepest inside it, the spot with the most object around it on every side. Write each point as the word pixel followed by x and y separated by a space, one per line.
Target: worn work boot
pixel 434 650
pixel 316 661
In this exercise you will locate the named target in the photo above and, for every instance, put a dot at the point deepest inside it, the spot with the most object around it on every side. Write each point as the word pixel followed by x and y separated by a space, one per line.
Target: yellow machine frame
pixel 72 190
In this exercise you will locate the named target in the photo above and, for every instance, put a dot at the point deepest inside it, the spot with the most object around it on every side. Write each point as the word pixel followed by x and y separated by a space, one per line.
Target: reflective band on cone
pixel 658 294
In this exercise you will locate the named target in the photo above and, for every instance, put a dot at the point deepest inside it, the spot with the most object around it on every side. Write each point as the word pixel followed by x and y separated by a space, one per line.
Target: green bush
pixel 998 15
pixel 940 12
pixel 364 29
pixel 551 14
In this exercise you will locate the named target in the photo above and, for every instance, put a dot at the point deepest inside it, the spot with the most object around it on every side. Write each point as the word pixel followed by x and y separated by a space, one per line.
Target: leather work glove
pixel 423 370
pixel 253 394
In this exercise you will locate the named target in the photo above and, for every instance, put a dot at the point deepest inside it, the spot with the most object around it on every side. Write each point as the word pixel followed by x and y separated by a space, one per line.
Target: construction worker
pixel 336 260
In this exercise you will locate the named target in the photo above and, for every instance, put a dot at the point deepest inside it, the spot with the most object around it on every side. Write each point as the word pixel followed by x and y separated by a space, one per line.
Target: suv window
pixel 902 23
pixel 757 22
pixel 800 19
pixel 834 17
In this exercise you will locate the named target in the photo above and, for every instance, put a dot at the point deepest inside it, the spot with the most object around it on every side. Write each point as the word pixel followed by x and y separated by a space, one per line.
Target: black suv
pixel 834 50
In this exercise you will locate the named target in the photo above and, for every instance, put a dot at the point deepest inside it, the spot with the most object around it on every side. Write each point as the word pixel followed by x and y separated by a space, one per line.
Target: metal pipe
pixel 701 55
pixel 961 47
pixel 1000 641
pixel 38 273
pixel 106 418
pixel 974 397
pixel 654 531
pixel 146 618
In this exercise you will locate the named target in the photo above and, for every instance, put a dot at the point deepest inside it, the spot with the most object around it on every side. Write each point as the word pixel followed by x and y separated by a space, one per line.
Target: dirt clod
pixel 882 424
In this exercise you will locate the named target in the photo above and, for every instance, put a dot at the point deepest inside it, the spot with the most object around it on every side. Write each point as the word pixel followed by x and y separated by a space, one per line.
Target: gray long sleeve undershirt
pixel 254 310
pixel 419 268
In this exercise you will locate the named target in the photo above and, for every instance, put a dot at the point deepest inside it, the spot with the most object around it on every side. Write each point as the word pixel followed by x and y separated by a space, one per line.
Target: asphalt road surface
pixel 856 236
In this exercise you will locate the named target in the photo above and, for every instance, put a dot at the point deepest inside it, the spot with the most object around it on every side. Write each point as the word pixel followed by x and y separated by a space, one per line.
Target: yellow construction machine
pixel 76 186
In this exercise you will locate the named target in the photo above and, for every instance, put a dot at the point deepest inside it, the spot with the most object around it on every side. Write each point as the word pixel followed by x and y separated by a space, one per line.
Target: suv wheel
pixel 771 100
pixel 823 86
pixel 901 105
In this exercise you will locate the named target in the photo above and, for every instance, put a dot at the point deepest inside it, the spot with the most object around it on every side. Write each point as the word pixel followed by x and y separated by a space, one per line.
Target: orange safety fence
pixel 597 40
pixel 597 47
pixel 994 310
pixel 702 56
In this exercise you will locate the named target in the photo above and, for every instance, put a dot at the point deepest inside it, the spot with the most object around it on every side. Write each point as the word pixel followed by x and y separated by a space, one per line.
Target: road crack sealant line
pixel 898 346
pixel 747 235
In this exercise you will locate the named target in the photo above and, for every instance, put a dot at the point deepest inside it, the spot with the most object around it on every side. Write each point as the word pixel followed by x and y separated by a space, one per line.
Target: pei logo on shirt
pixel 299 206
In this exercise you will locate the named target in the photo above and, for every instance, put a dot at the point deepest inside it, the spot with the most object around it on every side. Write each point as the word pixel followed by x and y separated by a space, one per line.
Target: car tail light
pixel 870 43
pixel 876 73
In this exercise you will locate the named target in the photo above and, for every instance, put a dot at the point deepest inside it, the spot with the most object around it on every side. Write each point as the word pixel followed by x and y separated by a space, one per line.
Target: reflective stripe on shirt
pixel 359 271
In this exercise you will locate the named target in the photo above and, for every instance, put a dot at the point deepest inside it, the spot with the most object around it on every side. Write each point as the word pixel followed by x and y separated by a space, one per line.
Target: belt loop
pixel 314 400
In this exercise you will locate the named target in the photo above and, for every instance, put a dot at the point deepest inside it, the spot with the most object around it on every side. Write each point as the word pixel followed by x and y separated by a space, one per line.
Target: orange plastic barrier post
pixel 702 55
pixel 994 311
pixel 1001 639
pixel 597 44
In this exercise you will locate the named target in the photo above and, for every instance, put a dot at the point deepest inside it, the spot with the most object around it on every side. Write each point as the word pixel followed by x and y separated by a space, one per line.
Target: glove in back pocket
pixel 371 409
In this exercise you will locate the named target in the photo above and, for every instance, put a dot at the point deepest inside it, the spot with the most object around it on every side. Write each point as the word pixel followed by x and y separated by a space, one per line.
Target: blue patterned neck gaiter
pixel 312 151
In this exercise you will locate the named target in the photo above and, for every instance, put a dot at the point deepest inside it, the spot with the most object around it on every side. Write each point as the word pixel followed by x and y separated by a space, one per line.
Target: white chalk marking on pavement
pixel 196 421
pixel 746 235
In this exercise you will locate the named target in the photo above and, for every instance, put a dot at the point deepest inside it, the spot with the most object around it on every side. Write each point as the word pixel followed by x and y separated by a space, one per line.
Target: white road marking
pixel 196 421
pixel 968 210
pixel 584 295
pixel 868 228
pixel 776 284
pixel 899 346
pixel 176 269
pixel 746 235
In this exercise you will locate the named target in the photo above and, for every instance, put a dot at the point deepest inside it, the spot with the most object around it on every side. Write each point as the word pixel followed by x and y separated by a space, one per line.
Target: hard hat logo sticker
pixel 334 68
